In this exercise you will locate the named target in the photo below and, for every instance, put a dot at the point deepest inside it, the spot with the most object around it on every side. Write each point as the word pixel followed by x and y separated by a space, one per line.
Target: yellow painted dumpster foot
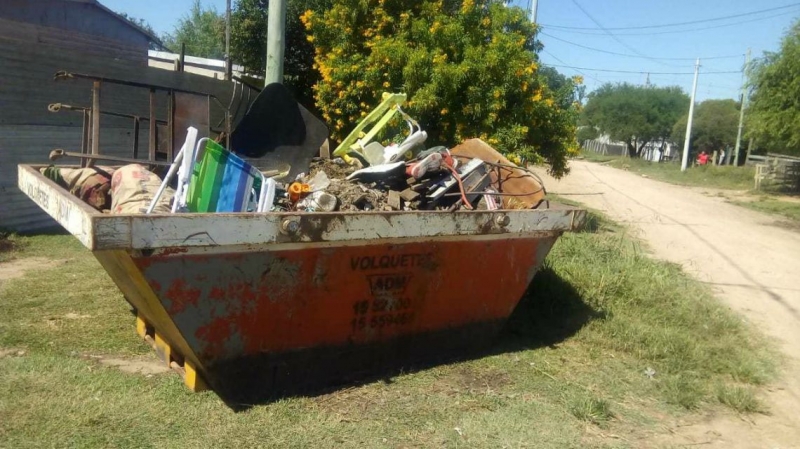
pixel 166 353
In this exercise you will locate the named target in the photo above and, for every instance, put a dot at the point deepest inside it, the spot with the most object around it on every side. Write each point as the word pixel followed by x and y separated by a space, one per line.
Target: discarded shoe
pixel 431 163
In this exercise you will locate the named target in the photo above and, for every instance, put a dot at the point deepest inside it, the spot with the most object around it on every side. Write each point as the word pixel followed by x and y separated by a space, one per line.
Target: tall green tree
pixel 469 68
pixel 202 30
pixel 714 126
pixel 633 114
pixel 249 39
pixel 774 113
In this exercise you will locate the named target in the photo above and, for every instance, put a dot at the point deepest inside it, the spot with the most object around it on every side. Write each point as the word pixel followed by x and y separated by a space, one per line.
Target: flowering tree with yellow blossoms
pixel 468 66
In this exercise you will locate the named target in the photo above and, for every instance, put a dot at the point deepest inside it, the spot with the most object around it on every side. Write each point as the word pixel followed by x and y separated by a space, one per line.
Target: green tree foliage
pixel 468 67
pixel 713 128
pixel 203 32
pixel 249 39
pixel 635 114
pixel 565 88
pixel 774 114
pixel 586 132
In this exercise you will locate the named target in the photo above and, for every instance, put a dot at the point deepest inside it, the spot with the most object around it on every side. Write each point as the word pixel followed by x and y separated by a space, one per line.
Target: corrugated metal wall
pixel 29 57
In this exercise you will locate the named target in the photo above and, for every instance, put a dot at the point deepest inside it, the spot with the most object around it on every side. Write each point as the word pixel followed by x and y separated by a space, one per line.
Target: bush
pixel 468 67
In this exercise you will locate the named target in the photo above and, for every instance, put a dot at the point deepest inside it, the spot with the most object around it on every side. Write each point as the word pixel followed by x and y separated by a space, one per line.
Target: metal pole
pixel 228 70
pixel 742 107
pixel 276 41
pixel 687 142
pixel 534 10
pixel 95 120
pixel 749 149
pixel 151 136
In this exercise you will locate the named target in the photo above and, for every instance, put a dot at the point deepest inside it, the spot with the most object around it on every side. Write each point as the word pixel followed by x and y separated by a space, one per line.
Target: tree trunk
pixel 641 147
pixel 631 149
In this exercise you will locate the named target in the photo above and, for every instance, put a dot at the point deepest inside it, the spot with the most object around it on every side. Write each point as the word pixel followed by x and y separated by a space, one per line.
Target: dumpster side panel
pixel 69 211
pixel 119 266
pixel 236 304
pixel 264 321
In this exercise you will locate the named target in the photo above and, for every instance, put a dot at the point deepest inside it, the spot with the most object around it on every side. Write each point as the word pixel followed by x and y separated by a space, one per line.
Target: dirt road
pixel 751 262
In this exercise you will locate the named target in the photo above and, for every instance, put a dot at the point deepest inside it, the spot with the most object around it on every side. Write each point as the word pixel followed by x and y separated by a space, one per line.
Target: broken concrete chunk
pixel 394 201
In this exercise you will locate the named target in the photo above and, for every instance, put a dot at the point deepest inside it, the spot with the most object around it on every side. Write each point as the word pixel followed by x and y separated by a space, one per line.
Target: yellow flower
pixel 386 84
pixel 444 111
pixel 305 18
pixel 486 21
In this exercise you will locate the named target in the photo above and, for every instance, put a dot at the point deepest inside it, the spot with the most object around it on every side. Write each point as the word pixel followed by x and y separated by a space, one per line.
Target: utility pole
pixel 228 68
pixel 276 41
pixel 687 142
pixel 533 9
pixel 742 107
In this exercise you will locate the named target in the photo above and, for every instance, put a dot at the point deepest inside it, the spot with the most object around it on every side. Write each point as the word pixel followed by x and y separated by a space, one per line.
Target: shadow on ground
pixel 549 312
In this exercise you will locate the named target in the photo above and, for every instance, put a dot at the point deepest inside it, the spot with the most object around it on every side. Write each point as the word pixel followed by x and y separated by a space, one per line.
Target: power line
pixel 633 56
pixel 559 60
pixel 667 25
pixel 614 36
pixel 641 71
pixel 655 33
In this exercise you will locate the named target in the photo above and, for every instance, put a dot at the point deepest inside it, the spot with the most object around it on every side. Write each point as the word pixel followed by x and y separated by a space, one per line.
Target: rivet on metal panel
pixel 290 226
pixel 502 220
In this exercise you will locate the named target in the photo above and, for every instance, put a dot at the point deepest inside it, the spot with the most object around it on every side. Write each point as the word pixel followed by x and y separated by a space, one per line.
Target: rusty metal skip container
pixel 259 305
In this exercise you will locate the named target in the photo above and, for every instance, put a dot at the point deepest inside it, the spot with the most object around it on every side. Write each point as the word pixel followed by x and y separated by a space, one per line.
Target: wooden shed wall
pixel 29 57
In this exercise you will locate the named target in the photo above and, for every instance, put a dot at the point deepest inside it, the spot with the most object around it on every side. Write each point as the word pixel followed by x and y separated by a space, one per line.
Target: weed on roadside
pixel 740 398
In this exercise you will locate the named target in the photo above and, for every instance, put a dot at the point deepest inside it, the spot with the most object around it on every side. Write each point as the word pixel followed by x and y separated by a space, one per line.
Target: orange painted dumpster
pixel 255 305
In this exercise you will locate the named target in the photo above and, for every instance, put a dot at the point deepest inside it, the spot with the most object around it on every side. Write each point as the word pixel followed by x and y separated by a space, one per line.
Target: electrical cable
pixel 559 60
pixel 656 33
pixel 613 36
pixel 634 56
pixel 643 71
pixel 460 186
pixel 667 25
pixel 511 167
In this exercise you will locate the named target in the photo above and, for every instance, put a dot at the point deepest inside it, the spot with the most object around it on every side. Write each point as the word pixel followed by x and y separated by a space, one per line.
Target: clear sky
pixel 638 29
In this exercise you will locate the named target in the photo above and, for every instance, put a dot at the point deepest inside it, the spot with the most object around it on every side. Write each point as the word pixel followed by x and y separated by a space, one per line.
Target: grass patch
pixel 590 409
pixel 740 398
pixel 605 335
pixel 774 206
pixel 721 177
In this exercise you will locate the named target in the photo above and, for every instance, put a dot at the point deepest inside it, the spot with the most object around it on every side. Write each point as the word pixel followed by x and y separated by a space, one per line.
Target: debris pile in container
pixel 362 175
